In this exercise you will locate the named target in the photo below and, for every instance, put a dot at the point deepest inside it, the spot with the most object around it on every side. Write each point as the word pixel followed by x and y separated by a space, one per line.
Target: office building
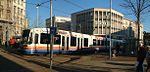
pixel 96 21
pixel 19 16
pixel 5 19
pixel 61 22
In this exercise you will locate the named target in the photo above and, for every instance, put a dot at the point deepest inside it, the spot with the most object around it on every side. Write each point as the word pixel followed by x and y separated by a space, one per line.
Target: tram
pixel 37 41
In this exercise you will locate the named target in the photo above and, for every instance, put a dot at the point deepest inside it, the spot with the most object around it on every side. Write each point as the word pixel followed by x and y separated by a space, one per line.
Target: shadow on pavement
pixel 123 64
pixel 68 68
pixel 73 67
pixel 71 59
pixel 9 66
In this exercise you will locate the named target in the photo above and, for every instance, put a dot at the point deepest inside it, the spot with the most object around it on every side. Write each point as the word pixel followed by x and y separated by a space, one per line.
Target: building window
pixel 21 12
pixel 8 16
pixel 1 12
pixel 21 21
pixel 14 9
pixel 104 15
pixel 96 15
pixel 18 10
pixel 8 3
pixel 14 1
pixel 18 2
pixel 100 15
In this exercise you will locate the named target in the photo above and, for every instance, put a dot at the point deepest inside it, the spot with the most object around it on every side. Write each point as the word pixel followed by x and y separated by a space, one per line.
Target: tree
pixel 138 8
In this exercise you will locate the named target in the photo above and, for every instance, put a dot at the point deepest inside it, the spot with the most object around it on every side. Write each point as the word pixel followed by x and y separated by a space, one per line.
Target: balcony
pixel 6 21
pixel 8 8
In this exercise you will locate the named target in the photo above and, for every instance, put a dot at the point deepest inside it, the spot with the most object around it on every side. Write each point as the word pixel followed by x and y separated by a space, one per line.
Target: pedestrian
pixel 96 50
pixel 0 42
pixel 12 42
pixel 6 44
pixel 114 52
pixel 117 49
pixel 140 58
pixel 148 59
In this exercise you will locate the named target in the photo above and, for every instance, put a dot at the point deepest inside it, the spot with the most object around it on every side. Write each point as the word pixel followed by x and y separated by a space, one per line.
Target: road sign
pixel 53 30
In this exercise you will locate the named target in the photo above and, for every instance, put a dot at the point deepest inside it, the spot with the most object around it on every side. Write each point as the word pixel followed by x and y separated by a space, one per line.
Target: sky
pixel 64 8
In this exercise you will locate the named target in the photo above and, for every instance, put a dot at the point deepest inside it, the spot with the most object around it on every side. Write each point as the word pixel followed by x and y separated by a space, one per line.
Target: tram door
pixel 78 44
pixel 63 43
pixel 67 43
pixel 1 35
pixel 81 43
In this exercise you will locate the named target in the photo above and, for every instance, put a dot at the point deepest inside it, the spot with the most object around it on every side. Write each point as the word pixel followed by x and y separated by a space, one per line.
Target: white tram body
pixel 37 41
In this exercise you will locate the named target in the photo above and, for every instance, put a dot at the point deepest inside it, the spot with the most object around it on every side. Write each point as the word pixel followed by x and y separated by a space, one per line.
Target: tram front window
pixel 26 37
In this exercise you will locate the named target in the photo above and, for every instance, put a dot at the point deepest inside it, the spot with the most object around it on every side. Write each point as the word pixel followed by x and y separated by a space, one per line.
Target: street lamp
pixel 37 9
pixel 110 57
pixel 51 36
pixel 52 33
pixel 7 43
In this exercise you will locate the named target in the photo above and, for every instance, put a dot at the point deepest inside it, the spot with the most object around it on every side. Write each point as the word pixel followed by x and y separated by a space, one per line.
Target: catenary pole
pixel 51 35
pixel 110 50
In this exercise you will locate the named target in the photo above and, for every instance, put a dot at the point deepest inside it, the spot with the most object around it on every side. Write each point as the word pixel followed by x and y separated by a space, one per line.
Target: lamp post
pixel 37 14
pixel 106 27
pixel 51 36
pixel 110 53
pixel 7 44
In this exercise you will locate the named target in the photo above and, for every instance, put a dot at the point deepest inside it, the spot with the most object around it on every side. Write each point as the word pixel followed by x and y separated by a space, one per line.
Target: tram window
pixel 45 38
pixel 85 41
pixel 94 41
pixel 99 43
pixel 73 41
pixel 36 38
pixel 57 39
pixel 63 41
pixel 103 43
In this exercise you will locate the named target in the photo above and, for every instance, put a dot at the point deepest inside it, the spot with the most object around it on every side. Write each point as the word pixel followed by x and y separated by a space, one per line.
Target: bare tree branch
pixel 138 7
pixel 145 7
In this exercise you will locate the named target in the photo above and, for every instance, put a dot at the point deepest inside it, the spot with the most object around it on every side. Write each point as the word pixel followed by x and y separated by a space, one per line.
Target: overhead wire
pixel 44 2
pixel 37 4
pixel 77 5
pixel 41 5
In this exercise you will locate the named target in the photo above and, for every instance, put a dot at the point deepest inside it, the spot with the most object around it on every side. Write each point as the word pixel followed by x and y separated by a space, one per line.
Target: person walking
pixel 117 49
pixel 140 58
pixel 12 42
